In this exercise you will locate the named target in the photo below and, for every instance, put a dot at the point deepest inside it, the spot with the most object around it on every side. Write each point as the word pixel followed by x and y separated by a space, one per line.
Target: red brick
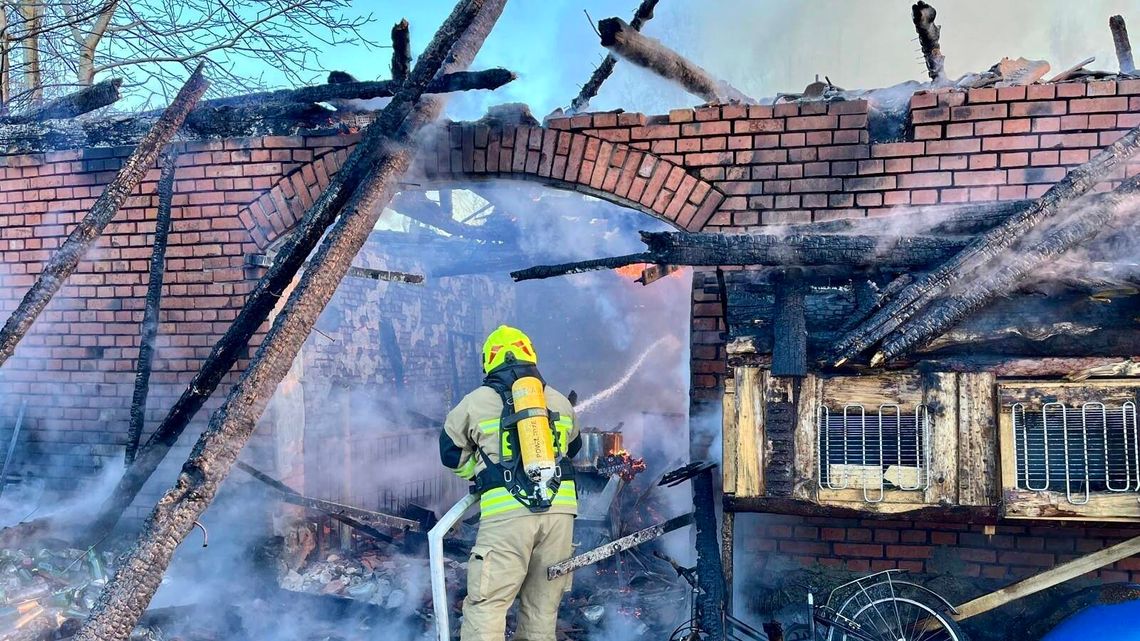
pixel 1005 143
pixel 927 132
pixel 971 178
pixel 952 98
pixel 922 180
pixel 1042 108
pixel 681 115
pixel 858 550
pixel 960 146
pixel 711 128
pixel 958 129
pixel 979 112
pixel 1075 122
pixel 1095 105
pixel 922 116
pixel 923 99
pixel 1011 93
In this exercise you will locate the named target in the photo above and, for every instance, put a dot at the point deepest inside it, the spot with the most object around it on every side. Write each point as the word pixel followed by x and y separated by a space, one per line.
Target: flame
pixel 632 272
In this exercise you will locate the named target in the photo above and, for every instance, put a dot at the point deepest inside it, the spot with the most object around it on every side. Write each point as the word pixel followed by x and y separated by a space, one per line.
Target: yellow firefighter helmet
pixel 507 340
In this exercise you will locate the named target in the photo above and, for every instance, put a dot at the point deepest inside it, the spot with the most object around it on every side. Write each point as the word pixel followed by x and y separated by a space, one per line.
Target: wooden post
pixel 401 51
pixel 64 261
pixel 149 328
pixel 789 325
pixel 1123 46
pixel 977 440
pixel 749 397
pixel 940 396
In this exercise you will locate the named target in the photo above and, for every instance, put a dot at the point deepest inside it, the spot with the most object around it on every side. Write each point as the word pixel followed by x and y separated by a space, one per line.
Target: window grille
pixel 886 449
pixel 1077 450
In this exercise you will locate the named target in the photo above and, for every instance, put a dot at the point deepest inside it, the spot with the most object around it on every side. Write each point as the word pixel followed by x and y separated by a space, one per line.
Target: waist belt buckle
pixel 508 476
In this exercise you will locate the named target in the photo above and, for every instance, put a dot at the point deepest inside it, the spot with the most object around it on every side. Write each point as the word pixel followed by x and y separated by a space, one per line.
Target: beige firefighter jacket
pixel 475 422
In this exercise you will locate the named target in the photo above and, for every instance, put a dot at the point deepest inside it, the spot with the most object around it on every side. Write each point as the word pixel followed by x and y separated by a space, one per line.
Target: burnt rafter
pixel 628 43
pixel 985 249
pixel 282 112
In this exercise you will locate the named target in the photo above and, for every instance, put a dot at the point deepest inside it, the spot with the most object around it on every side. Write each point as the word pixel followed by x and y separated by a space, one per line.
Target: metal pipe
pixel 435 560
pixel 12 446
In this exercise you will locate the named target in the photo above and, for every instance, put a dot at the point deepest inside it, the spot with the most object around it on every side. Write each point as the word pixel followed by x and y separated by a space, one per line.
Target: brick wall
pixel 1013 552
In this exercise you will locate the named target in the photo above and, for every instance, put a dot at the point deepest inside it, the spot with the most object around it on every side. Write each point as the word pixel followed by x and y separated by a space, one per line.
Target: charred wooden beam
pixel 64 261
pixel 710 572
pixel 127 594
pixel 401 51
pixel 278 113
pixel 928 38
pixel 787 250
pixel 374 150
pixel 985 248
pixel 581 102
pixel 261 260
pixel 789 348
pixel 357 518
pixel 985 284
pixel 625 41
pixel 364 90
pixel 604 552
pixel 549 271
pixel 74 104
pixel 149 328
pixel 934 513
pixel 1123 46
pixel 794 249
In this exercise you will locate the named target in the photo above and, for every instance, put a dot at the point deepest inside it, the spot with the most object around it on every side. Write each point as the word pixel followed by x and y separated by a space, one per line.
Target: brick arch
pixel 613 171
pixel 280 208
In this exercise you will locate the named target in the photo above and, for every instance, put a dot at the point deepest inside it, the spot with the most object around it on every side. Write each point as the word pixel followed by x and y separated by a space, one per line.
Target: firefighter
pixel 513 438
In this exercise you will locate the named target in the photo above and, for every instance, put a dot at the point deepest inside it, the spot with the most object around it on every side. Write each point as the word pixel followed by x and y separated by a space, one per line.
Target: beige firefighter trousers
pixel 509 559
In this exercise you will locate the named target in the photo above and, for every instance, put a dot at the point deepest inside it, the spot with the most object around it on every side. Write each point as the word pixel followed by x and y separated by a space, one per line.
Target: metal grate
pixel 874 452
pixel 1077 450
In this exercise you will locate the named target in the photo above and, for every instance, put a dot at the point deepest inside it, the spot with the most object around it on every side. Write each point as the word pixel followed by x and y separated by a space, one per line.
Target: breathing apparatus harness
pixel 509 472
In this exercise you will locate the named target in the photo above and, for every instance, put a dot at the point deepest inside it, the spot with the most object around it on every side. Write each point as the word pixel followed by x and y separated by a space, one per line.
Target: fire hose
pixel 439 603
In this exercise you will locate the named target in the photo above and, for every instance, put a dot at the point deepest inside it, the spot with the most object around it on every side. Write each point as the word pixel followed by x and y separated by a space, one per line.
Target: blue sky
pixel 761 46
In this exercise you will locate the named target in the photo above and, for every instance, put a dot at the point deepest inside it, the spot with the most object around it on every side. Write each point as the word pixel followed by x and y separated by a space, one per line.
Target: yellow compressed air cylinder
pixel 536 439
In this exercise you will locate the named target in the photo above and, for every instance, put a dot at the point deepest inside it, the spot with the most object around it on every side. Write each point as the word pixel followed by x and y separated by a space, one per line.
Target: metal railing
pixel 858 450
pixel 1077 450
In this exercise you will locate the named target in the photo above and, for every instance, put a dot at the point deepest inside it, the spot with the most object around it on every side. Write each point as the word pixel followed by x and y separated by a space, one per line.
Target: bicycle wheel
pixel 899 619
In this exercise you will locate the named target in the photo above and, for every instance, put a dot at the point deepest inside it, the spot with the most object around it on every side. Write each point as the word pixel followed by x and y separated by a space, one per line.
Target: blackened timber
pixel 364 90
pixel 74 104
pixel 549 271
pixel 149 328
pixel 946 311
pixel 374 147
pixel 580 102
pixel 353 517
pixel 929 40
pixel 625 41
pixel 985 248
pixel 935 513
pixel 604 552
pixel 789 348
pixel 710 572
pixel 401 51
pixel 141 569
pixel 1123 46
pixel 64 261
pixel 796 249
pixel 275 113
